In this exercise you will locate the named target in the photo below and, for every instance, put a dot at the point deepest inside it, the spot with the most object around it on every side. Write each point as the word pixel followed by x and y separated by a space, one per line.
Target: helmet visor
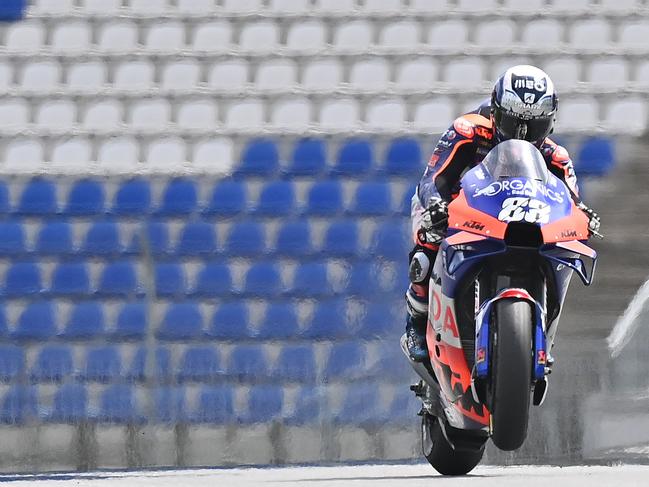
pixel 510 126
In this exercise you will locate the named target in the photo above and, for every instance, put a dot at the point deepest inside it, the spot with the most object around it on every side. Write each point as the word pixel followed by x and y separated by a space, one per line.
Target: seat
pixel 70 404
pixel 181 321
pixel 467 73
pixel 19 405
pixel 246 239
pixel 416 74
pixel 341 239
pixel 134 75
pixel 38 198
pixel 27 36
pixel 379 319
pixel 151 114
pixel 276 74
pixel 260 157
pixel 215 405
pixel 309 35
pixel 117 405
pixel 103 364
pixel 340 114
pixel 87 76
pixel 228 199
pixel 166 153
pixel 277 199
pixel 346 361
pixel 596 157
pixel 386 115
pixel 200 364
pixel 166 36
pixel 56 115
pixel 246 114
pixel 4 198
pixel 17 114
pixel 371 74
pixel 372 199
pixel 71 37
pixel 564 71
pixel 73 151
pixel 571 5
pixel 382 6
pixel 86 322
pixel 154 237
pixel 580 112
pixel 169 279
pixel 390 240
pixel 118 152
pixel 23 279
pixel 212 36
pixel 296 363
pixel 103 238
pixel 86 197
pixel 289 6
pixel 242 6
pixel 404 158
pixel 52 6
pixel 261 36
pixel 361 406
pixel 434 115
pixel 633 35
pixel 183 75
pixel 180 197
pixel 213 280
pixel 53 364
pixel 322 74
pixel 40 77
pixel 332 6
pixel 131 322
pixel 248 363
pixel 96 7
pixel 293 113
pixel 103 115
pixel 170 406
pixel 265 404
pixel 70 279
pixel 12 361
pixel 195 7
pixel 294 239
pixel 448 35
pixel 311 279
pixel 199 114
pixel 590 34
pixel 132 198
pixel 36 322
pixel 138 369
pixel 325 198
pixel 309 157
pixel 230 322
pixel 279 322
pixel 24 152
pixel 263 280
pixel 197 239
pixel 355 35
pixel 119 279
pixel 616 6
pixel 542 32
pixel 498 33
pixel 400 35
pixel 148 7
pixel 54 238
pixel 525 5
pixel 119 36
pixel 215 155
pixel 355 158
pixel 310 404
pixel 12 238
pixel 608 72
pixel 230 75
pixel 362 279
pixel 626 116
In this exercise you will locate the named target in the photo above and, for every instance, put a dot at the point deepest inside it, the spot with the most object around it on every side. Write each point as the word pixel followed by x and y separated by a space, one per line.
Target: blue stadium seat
pixel 230 321
pixel 12 362
pixel 329 321
pixel 596 157
pixel 197 238
pixel 155 234
pixel 246 239
pixel 53 364
pixel 131 322
pixel 311 280
pixel 36 322
pixel 363 280
pixel 12 238
pixel 213 280
pixel 391 240
pixel 391 366
pixel 182 321
pixel 54 238
pixel 382 319
pixel 260 158
pixel 119 279
pixel 341 239
pixel 325 198
pixel 404 158
pixel 103 364
pixel 265 404
pixel 102 239
pixel 228 199
pixel 406 203
pixel 4 198
pixel 132 198
pixel 215 405
pixel 70 278
pixel 117 405
pixel 3 322
pixel 296 363
pixel 38 198
pixel 361 406
pixel 86 321
pixel 248 363
pixel 263 279
pixel 19 405
pixel 355 158
pixel 179 198
pixel 70 404
pixel 346 362
pixel 277 198
pixel 294 239
pixel 23 279
pixel 309 157
pixel 137 370
pixel 279 322
pixel 169 279
pixel 310 401
pixel 372 199
pixel 85 198
pixel 170 405
pixel 200 364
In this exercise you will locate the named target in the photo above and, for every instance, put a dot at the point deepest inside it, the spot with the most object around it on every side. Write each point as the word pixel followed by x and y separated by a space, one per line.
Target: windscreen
pixel 516 158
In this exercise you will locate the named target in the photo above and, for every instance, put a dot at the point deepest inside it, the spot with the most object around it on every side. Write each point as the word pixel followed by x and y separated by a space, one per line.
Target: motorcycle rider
pixel 523 106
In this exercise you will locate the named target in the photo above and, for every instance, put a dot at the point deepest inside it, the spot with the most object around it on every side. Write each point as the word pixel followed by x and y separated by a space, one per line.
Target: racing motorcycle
pixel 496 291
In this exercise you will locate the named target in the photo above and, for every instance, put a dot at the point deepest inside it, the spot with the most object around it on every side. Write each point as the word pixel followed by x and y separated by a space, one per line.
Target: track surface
pixel 358 476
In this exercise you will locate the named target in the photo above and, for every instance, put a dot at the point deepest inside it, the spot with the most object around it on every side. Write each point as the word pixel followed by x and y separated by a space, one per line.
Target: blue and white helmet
pixel 523 105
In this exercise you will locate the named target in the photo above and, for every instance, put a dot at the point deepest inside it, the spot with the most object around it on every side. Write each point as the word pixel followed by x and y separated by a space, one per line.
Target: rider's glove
pixel 593 219
pixel 434 222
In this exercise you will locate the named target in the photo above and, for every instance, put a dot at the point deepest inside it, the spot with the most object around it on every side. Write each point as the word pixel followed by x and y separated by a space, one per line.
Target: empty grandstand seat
pixel 165 153
pixel 379 319
pixel 390 240
pixel 260 157
pixel 231 321
pixel 197 238
pixel 165 36
pixel 200 114
pixel 346 361
pixel 56 115
pixel 195 6
pixel 12 238
pixel 19 405
pixel 265 404
pixel 38 198
pixel 311 279
pixel 524 5
pixel 182 321
pixel 151 114
pixel 371 74
pixel 466 73
pixel 564 71
pixel 276 74
pixel 386 114
pixel 12 361
pixel 200 364
pixel 325 198
pixel 70 278
pixel 340 114
pixel 596 157
pixel 263 279
pixel 87 76
pixel 372 198
pixel 40 76
pixel 322 74
pixel 230 75
pixel 23 278
pixel 259 36
pixel 294 239
pixel 215 405
pixel 355 158
pixel 169 279
pixel 25 37
pixel 628 116
pixel 331 6
pixel 309 157
pixel 227 199
pixel 448 34
pixel 36 322
pixel 416 74
pixel 23 152
pixel 590 34
pixel 248 363
pixel 306 35
pixel 341 239
pixel 17 114
pixel 102 239
pixel 400 35
pixel 355 35
pixel 53 364
pixel 291 113
pixel 633 35
pixel 609 72
pixel 119 152
pixel 72 151
pixel 362 280
pixel 138 371
pixel 499 33
pixel 279 322
pixel 132 198
pixel 85 198
pixel 71 37
pixel 119 279
pixel 117 36
pixel 309 403
pixel 542 32
pixel 86 321
pixel 212 36
pixel 134 75
pixel 4 198
pixel 404 158
pixel 179 198
pixel 296 363
pixel 289 6
pixel 103 364
pixel 246 239
pixel 170 407
pixel 329 321
pixel 581 111
pixel 214 279
pixel 131 322
pixel 155 235
pixel 70 404
pixel 360 406
pixel 277 198
pixel 117 405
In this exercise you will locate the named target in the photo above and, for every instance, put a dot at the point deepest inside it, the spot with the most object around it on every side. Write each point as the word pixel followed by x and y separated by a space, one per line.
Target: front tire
pixel 441 455
pixel 511 373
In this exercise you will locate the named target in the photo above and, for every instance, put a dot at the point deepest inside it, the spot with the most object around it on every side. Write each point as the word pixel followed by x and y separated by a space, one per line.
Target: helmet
pixel 523 105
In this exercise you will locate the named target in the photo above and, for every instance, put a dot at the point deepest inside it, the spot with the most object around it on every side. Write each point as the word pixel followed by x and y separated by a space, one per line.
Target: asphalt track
pixel 356 476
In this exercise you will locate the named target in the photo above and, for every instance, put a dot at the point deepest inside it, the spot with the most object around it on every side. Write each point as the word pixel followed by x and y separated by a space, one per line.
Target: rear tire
pixel 511 373
pixel 439 452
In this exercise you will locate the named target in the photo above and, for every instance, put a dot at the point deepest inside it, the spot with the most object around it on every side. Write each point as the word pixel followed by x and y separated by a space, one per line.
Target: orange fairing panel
pixel 464 238
pixel 578 247
pixel 572 227
pixel 462 217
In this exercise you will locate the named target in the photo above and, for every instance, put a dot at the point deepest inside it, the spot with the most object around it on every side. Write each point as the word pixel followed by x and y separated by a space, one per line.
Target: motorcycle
pixel 497 288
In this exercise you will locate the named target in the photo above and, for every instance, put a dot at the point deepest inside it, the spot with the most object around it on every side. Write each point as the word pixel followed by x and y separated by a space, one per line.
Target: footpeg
pixel 540 391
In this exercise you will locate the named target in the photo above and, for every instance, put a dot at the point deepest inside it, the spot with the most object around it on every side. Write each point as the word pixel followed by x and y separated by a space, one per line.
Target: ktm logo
pixel 474 225
pixel 568 233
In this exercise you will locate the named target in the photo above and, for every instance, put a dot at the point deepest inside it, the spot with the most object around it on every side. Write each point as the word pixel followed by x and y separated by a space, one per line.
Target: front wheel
pixel 441 455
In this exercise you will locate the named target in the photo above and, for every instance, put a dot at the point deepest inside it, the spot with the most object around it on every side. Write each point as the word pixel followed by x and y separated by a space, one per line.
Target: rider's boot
pixel 416 337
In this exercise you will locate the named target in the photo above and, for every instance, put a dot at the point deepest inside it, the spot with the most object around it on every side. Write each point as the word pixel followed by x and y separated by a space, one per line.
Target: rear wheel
pixel 441 455
pixel 511 373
